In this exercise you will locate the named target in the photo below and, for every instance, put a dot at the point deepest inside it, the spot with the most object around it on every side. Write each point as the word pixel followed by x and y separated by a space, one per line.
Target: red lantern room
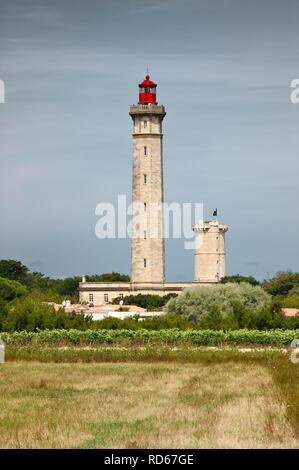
pixel 147 91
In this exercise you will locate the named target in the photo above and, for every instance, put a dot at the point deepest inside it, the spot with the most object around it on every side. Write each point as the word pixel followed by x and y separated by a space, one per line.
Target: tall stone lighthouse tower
pixel 147 246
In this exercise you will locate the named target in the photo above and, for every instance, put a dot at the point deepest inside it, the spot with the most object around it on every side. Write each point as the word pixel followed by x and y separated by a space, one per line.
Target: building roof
pixel 147 82
pixel 290 312
pixel 105 308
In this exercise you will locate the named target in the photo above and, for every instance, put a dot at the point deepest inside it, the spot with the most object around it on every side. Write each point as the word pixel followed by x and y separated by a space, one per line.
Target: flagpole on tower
pixel 215 211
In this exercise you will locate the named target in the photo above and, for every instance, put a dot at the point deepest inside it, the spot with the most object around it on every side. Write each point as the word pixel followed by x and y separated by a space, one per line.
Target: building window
pixel 106 298
pixel 144 234
pixel 144 262
pixel 145 124
pixel 121 296
pixel 144 150
pixel 90 297
pixel 144 179
pixel 144 205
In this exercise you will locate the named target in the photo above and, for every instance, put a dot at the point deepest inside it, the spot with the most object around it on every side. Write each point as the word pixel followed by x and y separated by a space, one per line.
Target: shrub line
pixel 141 336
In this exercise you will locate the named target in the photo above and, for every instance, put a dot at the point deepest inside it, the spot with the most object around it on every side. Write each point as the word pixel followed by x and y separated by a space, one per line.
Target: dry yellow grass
pixel 141 405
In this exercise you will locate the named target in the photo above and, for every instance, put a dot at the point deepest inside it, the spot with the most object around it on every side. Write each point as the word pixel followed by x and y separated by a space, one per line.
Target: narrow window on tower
pixel 144 205
pixel 144 234
pixel 144 179
pixel 144 262
pixel 145 124
pixel 144 149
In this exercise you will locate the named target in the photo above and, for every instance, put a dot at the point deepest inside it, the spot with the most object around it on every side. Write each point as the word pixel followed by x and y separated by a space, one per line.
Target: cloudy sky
pixel 223 69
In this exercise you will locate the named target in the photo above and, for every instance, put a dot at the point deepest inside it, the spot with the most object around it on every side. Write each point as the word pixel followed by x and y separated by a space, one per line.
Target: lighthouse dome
pixel 147 91
pixel 147 82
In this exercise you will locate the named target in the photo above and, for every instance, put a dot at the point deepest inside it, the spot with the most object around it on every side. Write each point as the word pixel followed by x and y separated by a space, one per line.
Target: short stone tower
pixel 147 245
pixel 210 251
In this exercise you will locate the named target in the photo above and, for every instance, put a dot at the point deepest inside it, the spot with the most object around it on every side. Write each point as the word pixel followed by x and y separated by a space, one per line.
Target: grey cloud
pixel 223 69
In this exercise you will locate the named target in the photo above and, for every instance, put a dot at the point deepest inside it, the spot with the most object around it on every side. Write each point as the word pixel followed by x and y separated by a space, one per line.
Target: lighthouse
pixel 147 234
pixel 147 244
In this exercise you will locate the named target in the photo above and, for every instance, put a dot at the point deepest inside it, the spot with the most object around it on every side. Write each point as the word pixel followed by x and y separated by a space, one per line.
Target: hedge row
pixel 170 336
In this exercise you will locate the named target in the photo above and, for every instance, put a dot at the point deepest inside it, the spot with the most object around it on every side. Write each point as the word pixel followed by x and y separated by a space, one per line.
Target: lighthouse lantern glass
pixel 147 91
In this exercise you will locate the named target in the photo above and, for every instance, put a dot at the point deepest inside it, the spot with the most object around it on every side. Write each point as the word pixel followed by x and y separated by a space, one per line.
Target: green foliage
pixel 282 284
pixel 169 321
pixel 294 292
pixel 238 279
pixel 108 277
pixel 290 301
pixel 219 302
pixel 150 302
pixel 13 270
pixel 10 290
pixel 165 337
pixel 156 323
pixel 49 289
pixel 68 287
pixel 30 314
pixel 229 306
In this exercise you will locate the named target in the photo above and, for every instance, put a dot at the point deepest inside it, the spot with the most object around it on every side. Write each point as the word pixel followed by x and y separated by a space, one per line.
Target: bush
pixel 31 314
pixel 214 304
pixel 142 336
pixel 148 301
pixel 156 323
pixel 290 301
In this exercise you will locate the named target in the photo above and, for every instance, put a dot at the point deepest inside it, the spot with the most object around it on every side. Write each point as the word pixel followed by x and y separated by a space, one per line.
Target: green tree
pixel 108 277
pixel 31 314
pixel 14 270
pixel 146 301
pixel 282 283
pixel 238 278
pixel 68 286
pixel 10 290
pixel 294 291
pixel 202 302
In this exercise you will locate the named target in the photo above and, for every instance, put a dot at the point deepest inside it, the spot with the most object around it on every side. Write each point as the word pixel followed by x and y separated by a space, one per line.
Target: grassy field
pixel 196 399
